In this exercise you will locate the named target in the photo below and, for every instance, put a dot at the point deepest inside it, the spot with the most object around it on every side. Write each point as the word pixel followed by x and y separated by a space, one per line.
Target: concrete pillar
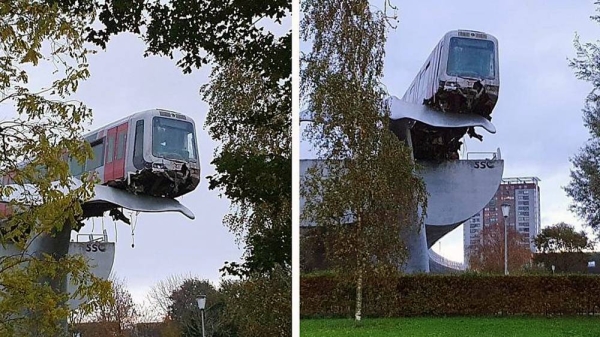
pixel 415 237
pixel 418 254
pixel 57 246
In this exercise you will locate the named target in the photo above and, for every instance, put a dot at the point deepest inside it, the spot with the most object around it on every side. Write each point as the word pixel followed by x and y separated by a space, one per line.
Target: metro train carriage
pixel 153 152
pixel 461 75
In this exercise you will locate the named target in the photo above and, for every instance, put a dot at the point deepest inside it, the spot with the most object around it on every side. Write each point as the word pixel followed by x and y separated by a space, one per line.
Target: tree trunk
pixel 359 281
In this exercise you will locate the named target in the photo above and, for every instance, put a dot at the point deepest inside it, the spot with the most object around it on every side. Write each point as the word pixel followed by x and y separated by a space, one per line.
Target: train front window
pixel 173 139
pixel 471 58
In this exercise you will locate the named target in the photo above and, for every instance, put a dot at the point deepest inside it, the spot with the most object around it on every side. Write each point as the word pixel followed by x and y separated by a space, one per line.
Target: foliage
pixel 42 62
pixel 365 175
pixel 562 237
pixel 585 175
pixel 159 295
pixel 453 295
pixel 185 312
pixel 488 254
pixel 116 317
pixel 260 306
pixel 251 116
pixel 313 255
pixel 203 31
pixel 453 326
pixel 563 262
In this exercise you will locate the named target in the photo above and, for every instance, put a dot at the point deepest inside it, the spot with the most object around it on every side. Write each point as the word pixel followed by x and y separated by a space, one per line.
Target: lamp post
pixel 201 303
pixel 505 213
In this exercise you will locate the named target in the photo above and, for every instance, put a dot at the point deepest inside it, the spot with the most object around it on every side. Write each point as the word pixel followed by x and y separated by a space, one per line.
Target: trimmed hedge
pixel 452 295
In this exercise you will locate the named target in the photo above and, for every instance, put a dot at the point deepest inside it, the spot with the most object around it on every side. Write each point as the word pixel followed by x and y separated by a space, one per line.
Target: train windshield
pixel 173 139
pixel 471 58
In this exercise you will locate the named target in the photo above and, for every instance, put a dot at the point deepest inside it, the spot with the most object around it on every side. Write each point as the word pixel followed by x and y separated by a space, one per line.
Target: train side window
pixel 98 156
pixel 138 146
pixel 110 149
pixel 121 145
pixel 74 167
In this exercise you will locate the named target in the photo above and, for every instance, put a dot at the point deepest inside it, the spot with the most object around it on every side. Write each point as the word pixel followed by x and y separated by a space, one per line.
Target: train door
pixel 111 136
pixel 114 167
pixel 119 162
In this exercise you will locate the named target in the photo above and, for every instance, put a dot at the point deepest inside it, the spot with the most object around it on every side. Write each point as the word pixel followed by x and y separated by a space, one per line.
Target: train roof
pixel 470 34
pixel 151 112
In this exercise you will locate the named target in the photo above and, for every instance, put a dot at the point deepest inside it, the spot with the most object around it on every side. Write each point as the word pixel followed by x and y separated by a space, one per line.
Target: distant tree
pixel 364 190
pixel 562 237
pixel 561 246
pixel 42 62
pixel 185 312
pixel 159 295
pixel 585 176
pixel 115 318
pixel 488 254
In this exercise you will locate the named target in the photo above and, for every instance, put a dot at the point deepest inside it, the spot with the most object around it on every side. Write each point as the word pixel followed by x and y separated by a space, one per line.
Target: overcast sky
pixel 538 115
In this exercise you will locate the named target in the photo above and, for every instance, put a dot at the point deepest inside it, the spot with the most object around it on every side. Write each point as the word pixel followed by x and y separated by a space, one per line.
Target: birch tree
pixel 363 190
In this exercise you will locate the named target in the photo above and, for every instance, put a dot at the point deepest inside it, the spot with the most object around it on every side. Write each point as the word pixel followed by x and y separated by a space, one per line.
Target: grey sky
pixel 538 115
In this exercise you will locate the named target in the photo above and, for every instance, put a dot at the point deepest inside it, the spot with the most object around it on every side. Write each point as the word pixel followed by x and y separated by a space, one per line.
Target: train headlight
pixel 158 166
pixel 451 85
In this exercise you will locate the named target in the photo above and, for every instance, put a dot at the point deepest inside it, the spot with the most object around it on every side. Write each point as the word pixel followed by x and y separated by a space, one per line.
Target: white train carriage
pixel 461 75
pixel 153 152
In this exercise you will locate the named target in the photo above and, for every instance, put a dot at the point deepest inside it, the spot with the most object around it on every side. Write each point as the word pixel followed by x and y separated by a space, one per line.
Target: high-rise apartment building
pixel 523 196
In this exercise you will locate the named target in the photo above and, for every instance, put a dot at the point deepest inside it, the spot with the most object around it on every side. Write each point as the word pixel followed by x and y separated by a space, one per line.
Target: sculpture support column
pixel 57 246
pixel 414 237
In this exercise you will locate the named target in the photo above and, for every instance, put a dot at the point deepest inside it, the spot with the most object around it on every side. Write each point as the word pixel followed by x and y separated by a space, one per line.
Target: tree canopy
pixel 562 237
pixel 584 187
pixel 488 254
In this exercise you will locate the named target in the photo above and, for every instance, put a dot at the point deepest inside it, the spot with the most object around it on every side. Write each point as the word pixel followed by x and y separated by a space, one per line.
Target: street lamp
pixel 201 303
pixel 505 213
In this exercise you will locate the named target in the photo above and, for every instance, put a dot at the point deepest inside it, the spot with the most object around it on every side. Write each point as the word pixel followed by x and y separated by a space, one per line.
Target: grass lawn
pixel 453 326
